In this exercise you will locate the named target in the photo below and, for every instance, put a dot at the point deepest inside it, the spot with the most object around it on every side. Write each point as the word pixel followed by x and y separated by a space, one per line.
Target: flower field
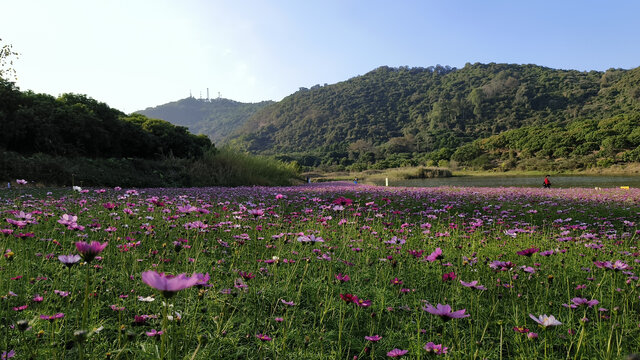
pixel 332 271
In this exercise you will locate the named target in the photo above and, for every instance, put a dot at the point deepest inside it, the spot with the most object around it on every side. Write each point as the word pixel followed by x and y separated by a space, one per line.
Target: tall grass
pixel 216 168
pixel 230 167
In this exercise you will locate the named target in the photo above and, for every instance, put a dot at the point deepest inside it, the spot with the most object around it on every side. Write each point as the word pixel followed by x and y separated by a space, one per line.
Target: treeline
pixel 409 116
pixel 76 125
pixel 578 145
pixel 76 140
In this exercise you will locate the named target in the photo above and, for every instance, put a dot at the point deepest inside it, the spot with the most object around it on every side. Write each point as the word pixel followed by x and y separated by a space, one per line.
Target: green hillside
pixel 407 116
pixel 76 140
pixel 216 118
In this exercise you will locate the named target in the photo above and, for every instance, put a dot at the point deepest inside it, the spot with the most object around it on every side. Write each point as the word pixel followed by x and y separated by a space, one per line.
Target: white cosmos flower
pixel 545 320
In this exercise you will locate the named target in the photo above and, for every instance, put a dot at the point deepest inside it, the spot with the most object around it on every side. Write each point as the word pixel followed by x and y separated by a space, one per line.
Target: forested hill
pixel 415 114
pixel 216 118
pixel 76 125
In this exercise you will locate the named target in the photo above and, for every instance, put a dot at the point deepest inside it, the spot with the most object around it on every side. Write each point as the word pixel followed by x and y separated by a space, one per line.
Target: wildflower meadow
pixel 320 271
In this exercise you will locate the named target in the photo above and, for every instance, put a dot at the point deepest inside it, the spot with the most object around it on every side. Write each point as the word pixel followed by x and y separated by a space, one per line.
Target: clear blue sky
pixel 133 54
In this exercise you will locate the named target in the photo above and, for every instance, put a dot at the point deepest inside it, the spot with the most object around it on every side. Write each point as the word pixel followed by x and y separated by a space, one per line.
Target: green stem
pixel 85 310
pixel 164 328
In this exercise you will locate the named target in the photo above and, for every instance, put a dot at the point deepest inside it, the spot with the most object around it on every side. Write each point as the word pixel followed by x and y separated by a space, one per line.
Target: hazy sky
pixel 133 54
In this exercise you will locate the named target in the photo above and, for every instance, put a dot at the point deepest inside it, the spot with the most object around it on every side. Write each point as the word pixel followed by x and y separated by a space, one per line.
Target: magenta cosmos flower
pixel 169 284
pixel 473 285
pixel 581 301
pixel 256 212
pixel 90 251
pixel 445 313
pixel 528 252
pixel 397 353
pixel 436 255
pixel 373 338
pixel 435 348
pixel 264 337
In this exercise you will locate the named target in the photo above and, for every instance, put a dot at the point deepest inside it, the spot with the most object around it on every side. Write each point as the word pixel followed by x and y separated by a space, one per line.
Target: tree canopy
pixel 76 125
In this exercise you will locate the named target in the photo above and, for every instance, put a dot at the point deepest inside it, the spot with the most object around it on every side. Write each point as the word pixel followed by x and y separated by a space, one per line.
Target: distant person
pixel 547 182
pixel 355 181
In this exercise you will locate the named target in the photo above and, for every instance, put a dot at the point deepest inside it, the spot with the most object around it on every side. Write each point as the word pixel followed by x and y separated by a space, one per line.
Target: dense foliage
pixel 406 116
pixel 216 118
pixel 76 140
pixel 215 168
pixel 319 272
pixel 76 125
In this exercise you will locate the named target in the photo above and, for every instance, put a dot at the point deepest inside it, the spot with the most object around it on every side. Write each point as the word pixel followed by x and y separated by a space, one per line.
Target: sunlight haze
pixel 137 54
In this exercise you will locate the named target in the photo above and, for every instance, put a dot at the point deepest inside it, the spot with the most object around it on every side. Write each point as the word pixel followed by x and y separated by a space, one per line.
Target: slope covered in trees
pixel 76 125
pixel 216 118
pixel 404 116
pixel 76 140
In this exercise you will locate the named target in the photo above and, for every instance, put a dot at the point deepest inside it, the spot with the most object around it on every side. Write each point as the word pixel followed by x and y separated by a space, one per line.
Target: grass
pixel 277 286
pixel 372 176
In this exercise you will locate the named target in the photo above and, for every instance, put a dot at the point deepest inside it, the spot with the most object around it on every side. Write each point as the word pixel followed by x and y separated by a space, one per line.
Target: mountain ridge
pixel 216 118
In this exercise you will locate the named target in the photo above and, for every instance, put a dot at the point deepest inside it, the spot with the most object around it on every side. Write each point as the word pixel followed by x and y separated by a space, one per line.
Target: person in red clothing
pixel 547 182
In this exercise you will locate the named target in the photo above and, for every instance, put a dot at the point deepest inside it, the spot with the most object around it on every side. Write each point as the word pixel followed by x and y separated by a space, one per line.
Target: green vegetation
pixel 76 125
pixel 395 117
pixel 319 272
pixel 76 140
pixel 215 168
pixel 215 118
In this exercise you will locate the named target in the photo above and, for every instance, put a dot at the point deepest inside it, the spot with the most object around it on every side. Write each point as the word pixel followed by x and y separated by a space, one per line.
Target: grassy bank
pixel 404 173
pixel 371 176
pixel 223 167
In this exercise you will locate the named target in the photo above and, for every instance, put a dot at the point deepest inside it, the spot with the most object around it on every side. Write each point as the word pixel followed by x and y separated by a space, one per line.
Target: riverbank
pixel 405 173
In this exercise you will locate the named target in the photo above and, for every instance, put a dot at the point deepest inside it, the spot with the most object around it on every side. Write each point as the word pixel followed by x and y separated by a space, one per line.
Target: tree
pixel 7 72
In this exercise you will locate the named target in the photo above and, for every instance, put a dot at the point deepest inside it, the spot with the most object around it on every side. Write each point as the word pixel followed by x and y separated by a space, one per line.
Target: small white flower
pixel 77 188
pixel 146 299
pixel 545 320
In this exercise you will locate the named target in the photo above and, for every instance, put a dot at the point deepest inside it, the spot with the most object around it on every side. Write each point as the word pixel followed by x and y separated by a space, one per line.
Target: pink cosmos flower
pixel 445 312
pixel 342 201
pixel 203 279
pixel 8 355
pixel 153 332
pixel 581 301
pixel 69 260
pixel 263 337
pixel 473 285
pixel 256 212
pixel 373 338
pixel 52 317
pixel 169 284
pixel 90 251
pixel 67 219
pixel 528 252
pixel 342 278
pixel 21 181
pixel 448 276
pixel 436 349
pixel 436 255
pixel 363 303
pixel 397 353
